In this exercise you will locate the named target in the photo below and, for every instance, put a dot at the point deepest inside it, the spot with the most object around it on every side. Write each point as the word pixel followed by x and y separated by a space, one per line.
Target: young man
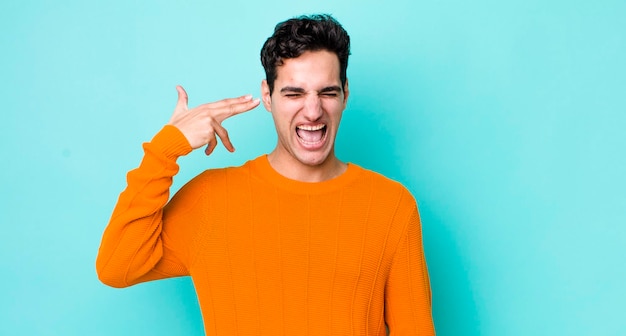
pixel 294 242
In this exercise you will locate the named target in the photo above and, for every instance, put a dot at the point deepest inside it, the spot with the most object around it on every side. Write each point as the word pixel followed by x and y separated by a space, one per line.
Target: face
pixel 307 103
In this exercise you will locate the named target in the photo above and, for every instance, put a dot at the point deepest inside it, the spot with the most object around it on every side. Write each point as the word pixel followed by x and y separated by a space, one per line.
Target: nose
pixel 312 109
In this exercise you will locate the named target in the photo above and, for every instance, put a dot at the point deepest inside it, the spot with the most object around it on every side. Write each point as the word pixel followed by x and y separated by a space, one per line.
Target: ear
pixel 346 93
pixel 265 96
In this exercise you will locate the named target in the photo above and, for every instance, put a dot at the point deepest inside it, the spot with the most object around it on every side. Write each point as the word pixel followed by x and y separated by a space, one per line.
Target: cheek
pixel 282 120
pixel 284 111
pixel 291 105
pixel 333 107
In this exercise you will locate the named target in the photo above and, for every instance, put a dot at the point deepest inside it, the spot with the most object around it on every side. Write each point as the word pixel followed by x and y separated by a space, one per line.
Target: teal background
pixel 504 118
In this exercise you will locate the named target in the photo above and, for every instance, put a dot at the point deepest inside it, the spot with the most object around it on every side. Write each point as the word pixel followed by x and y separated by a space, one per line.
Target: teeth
pixel 311 128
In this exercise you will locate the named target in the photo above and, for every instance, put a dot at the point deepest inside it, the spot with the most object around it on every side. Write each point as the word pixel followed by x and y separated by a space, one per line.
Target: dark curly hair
pixel 293 37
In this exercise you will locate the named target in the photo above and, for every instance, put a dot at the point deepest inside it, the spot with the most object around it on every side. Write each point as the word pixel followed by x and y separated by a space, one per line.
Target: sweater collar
pixel 261 167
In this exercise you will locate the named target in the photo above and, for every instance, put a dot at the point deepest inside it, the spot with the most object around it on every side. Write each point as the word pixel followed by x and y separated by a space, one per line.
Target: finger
pixel 211 145
pixel 183 99
pixel 228 101
pixel 237 108
pixel 223 134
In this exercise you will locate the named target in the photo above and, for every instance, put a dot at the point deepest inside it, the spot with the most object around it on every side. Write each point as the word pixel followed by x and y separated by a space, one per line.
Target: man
pixel 294 242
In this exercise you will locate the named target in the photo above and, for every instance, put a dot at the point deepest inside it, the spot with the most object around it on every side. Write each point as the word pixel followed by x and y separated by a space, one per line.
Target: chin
pixel 313 159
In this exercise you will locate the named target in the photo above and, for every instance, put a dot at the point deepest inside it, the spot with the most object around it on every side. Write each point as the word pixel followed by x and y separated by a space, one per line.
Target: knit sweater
pixel 269 255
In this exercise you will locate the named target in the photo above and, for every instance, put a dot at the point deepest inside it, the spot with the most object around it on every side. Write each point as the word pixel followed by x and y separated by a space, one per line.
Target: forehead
pixel 311 69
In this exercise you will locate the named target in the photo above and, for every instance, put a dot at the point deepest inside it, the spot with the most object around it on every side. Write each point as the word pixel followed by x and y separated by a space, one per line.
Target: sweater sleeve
pixel 133 248
pixel 407 293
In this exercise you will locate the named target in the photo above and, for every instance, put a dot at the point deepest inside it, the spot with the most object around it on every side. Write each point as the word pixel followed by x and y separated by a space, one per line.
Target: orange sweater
pixel 269 255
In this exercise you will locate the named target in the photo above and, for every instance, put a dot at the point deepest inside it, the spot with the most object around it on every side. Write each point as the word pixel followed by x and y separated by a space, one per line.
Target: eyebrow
pixel 292 89
pixel 334 88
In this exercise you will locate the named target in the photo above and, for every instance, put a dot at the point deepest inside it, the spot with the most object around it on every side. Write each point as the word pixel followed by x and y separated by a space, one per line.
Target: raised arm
pixel 132 248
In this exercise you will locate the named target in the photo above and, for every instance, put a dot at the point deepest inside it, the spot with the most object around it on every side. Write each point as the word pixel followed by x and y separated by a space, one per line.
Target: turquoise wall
pixel 504 118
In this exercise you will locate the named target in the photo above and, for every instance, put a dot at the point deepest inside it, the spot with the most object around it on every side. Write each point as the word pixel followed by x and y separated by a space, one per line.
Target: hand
pixel 201 123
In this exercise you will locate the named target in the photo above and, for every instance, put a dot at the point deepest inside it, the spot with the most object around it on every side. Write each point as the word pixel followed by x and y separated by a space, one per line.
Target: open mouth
pixel 311 134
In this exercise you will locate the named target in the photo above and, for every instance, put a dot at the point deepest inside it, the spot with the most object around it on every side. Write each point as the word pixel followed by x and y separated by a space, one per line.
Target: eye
pixel 329 94
pixel 293 95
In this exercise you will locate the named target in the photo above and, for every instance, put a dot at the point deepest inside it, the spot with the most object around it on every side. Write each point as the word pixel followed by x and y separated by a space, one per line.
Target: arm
pixel 134 247
pixel 407 294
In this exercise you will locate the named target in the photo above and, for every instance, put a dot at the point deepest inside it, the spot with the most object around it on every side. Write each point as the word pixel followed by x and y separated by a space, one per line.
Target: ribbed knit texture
pixel 269 255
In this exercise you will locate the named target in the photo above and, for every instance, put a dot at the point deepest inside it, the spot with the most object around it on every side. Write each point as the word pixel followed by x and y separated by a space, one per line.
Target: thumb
pixel 182 98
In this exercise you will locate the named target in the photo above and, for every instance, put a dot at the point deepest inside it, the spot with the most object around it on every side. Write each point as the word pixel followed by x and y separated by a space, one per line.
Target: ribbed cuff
pixel 171 142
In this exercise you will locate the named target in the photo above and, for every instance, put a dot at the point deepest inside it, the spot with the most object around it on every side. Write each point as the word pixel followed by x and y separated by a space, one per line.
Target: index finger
pixel 235 108
pixel 227 102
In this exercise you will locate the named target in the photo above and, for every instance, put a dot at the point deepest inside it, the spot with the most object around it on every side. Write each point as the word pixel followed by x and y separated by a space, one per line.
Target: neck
pixel 285 166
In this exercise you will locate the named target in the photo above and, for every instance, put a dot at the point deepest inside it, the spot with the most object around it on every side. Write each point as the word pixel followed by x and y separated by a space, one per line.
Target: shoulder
pixel 381 182
pixel 384 189
pixel 211 184
pixel 225 175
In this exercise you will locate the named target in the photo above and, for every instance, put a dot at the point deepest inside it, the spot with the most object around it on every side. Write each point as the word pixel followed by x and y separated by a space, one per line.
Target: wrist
pixel 171 142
